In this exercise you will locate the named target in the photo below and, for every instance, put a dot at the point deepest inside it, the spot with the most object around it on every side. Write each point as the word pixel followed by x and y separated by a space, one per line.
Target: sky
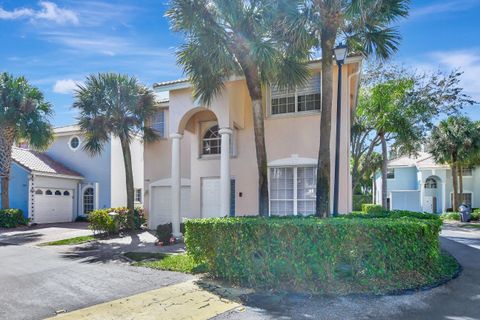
pixel 57 43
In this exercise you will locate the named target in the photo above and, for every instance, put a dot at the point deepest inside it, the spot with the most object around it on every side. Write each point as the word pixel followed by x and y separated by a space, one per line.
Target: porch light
pixel 340 53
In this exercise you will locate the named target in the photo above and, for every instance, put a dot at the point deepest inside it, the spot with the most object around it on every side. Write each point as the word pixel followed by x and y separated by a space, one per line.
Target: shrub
pixel 104 221
pixel 12 218
pixel 316 254
pixel 450 216
pixel 164 232
pixel 393 214
pixel 372 208
pixel 475 215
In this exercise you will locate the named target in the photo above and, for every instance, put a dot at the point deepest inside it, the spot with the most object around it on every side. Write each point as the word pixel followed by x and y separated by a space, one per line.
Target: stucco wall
pixel 18 189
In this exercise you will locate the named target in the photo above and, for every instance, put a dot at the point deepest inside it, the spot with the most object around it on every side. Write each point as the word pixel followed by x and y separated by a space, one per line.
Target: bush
pixel 164 232
pixel 12 218
pixel 393 214
pixel 311 254
pixel 358 200
pixel 372 208
pixel 104 221
pixel 450 216
pixel 475 215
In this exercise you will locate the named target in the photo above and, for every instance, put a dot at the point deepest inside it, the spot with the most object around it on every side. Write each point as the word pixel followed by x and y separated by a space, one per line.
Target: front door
pixel 210 197
pixel 428 204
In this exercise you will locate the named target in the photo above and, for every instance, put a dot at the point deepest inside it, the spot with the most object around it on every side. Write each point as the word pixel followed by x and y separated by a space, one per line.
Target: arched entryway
pixel 432 196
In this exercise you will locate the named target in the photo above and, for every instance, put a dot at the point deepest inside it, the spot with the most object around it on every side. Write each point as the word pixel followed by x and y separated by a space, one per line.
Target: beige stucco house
pixel 205 163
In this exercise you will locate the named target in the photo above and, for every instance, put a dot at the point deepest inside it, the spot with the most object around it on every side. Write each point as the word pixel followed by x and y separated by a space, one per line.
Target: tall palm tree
pixel 24 115
pixel 448 145
pixel 115 105
pixel 365 24
pixel 263 40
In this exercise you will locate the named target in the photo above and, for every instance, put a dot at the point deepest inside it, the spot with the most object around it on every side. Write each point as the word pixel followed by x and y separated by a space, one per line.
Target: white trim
pixel 56 175
pixel 293 161
pixel 70 143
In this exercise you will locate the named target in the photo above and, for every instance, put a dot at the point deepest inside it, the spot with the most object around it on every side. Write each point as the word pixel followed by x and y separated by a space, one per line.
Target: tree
pixel 366 26
pixel 265 41
pixel 115 105
pixel 24 115
pixel 452 142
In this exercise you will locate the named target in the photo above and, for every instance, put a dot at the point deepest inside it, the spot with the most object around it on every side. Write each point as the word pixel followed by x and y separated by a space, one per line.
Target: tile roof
pixel 166 83
pixel 69 128
pixel 40 162
pixel 422 159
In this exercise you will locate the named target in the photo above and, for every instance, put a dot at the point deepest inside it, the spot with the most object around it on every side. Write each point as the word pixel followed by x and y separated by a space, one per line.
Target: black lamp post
pixel 340 54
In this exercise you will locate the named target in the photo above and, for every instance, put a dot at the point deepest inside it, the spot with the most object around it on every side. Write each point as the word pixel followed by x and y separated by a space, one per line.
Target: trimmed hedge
pixel 12 218
pixel 372 208
pixel 450 216
pixel 392 214
pixel 102 221
pixel 316 255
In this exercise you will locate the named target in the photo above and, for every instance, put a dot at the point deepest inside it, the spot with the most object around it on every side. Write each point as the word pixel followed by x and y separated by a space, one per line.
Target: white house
pixel 420 184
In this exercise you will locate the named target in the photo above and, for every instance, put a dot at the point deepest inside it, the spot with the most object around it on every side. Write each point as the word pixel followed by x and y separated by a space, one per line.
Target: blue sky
pixel 57 43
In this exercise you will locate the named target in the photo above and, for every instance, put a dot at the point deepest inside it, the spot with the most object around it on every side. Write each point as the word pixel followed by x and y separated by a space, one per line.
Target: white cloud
pixel 65 86
pixel 49 11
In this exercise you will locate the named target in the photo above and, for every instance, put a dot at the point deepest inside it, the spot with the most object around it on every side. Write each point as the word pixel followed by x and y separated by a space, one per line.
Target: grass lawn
pixel 471 225
pixel 164 261
pixel 70 241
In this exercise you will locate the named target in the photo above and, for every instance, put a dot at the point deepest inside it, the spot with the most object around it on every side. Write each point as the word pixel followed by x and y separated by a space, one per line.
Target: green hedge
pixel 316 254
pixel 11 218
pixel 102 221
pixel 393 214
pixel 372 208
pixel 450 216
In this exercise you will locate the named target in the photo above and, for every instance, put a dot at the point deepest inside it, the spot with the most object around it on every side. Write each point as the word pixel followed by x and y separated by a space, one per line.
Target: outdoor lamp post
pixel 340 53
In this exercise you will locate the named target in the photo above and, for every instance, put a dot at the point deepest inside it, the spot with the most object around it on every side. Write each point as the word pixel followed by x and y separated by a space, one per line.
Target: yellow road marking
pixel 180 301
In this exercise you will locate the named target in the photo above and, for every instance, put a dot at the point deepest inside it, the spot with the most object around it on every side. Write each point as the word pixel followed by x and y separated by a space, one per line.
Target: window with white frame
pixel 390 173
pixel 300 99
pixel 138 195
pixel 467 198
pixel 292 190
pixel 158 123
pixel 211 141
pixel 430 183
pixel 467 172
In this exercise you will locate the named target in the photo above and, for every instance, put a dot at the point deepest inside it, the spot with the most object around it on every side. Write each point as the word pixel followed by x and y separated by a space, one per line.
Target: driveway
pixel 36 282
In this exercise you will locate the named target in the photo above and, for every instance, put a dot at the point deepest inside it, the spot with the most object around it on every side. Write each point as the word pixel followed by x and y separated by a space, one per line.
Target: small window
pixel 138 195
pixel 467 172
pixel 74 143
pixel 158 123
pixel 48 192
pixel 390 173
pixel 211 142
pixel 431 183
pixel 66 193
pixel 39 191
pixel 58 193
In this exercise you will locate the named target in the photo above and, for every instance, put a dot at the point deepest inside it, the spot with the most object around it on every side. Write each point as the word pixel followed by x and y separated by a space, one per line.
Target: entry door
pixel 210 197
pixel 428 204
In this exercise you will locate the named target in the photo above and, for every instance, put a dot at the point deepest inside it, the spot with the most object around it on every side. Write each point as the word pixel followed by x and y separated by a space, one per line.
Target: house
pixel 418 183
pixel 42 188
pixel 205 164
pixel 103 184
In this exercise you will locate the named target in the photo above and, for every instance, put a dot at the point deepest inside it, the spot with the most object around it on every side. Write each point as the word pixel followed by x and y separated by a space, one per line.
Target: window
pixel 390 173
pixel 48 192
pixel 39 191
pixel 431 183
pixel 58 193
pixel 299 99
pixel 211 141
pixel 66 193
pixel 74 143
pixel 467 172
pixel 293 191
pixel 138 195
pixel 158 123
pixel 88 203
pixel 467 199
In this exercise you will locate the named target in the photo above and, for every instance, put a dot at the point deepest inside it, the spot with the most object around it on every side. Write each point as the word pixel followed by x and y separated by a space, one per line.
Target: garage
pixel 161 202
pixel 53 205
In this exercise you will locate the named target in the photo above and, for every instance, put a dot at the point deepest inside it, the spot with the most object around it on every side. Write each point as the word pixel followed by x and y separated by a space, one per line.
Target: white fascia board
pixel 54 175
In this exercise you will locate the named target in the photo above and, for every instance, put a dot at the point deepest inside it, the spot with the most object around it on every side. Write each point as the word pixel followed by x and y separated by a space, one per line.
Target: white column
pixel 176 184
pixel 444 198
pixel 225 172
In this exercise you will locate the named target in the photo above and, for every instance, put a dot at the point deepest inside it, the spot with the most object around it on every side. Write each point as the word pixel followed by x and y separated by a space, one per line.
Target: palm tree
pixel 449 144
pixel 265 41
pixel 366 26
pixel 115 105
pixel 24 115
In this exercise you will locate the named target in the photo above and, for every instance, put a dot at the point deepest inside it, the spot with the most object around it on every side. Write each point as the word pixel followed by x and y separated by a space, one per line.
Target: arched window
pixel 58 193
pixel 66 193
pixel 39 191
pixel 211 141
pixel 48 192
pixel 430 183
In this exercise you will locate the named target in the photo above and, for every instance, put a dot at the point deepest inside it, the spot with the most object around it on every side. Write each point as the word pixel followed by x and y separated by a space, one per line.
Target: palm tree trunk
pixel 127 159
pixel 323 165
pixel 454 182
pixel 384 170
pixel 7 137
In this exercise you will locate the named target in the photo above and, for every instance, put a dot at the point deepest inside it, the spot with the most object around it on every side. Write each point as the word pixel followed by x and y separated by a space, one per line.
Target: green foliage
pixel 450 216
pixel 114 220
pixel 392 214
pixel 12 218
pixel 475 215
pixel 171 262
pixel 371 208
pixel 70 241
pixel 365 255
pixel 164 232
pixel 359 200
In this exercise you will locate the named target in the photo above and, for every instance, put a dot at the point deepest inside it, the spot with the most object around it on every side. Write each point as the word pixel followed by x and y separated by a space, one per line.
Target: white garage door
pixel 161 211
pixel 210 197
pixel 53 205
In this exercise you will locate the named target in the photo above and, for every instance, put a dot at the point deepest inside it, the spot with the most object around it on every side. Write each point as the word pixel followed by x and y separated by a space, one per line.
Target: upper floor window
pixel 211 141
pixel 138 195
pixel 158 123
pixel 467 172
pixel 74 143
pixel 391 173
pixel 301 99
